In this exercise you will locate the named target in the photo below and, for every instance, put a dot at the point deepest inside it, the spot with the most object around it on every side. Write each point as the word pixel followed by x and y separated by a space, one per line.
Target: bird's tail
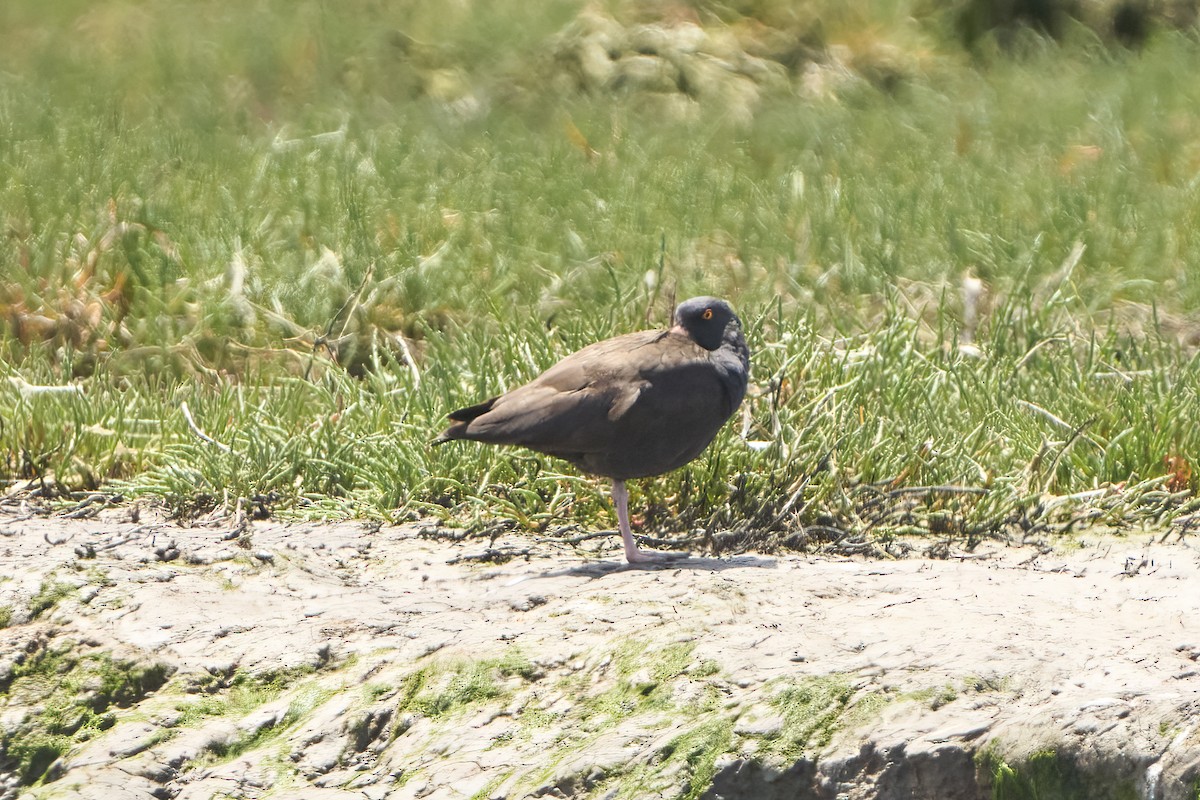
pixel 462 418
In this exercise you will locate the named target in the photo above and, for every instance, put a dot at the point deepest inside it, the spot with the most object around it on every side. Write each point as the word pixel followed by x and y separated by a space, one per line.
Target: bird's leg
pixel 633 555
pixel 620 497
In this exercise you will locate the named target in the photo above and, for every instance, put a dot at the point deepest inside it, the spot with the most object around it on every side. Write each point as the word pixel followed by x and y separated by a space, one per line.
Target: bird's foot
pixel 637 556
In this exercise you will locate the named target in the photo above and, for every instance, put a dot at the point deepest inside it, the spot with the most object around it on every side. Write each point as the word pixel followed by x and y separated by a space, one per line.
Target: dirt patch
pixel 346 660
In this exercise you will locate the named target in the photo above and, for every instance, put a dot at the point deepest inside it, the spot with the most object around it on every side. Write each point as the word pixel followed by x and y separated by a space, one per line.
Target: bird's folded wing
pixel 580 403
pixel 552 420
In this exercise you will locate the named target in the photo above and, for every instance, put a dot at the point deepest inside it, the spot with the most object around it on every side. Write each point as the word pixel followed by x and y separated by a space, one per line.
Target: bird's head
pixel 707 321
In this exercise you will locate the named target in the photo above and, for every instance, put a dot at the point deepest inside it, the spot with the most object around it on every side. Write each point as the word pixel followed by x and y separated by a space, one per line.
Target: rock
pixel 528 603
pixel 130 739
pixel 746 778
pixel 827 81
pixel 671 67
pixel 704 76
pixel 596 66
pixel 645 73
pixel 758 723
pixel 263 719
pixel 369 726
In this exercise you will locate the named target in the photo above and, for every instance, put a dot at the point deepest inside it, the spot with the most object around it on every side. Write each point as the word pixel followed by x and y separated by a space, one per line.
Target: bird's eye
pixel 707 313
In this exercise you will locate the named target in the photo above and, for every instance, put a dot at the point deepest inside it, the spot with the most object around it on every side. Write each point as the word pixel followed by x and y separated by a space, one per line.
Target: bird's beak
pixel 677 328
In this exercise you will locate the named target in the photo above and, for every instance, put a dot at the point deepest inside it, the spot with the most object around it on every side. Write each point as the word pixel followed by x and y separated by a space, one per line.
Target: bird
pixel 633 406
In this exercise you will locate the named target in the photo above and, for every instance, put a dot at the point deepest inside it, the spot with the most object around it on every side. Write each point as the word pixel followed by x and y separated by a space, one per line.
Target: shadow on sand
pixel 598 569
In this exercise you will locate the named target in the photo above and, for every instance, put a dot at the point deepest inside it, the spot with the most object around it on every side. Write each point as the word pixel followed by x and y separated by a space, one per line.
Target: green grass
pixel 271 256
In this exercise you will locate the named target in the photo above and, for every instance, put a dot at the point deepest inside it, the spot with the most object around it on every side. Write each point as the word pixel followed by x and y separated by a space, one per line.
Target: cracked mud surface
pixel 340 661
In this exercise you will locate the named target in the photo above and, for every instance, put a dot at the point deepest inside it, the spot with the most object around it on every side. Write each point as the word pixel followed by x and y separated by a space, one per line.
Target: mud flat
pixel 149 660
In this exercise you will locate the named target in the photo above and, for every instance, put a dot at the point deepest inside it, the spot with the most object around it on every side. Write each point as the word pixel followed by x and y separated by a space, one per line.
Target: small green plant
pixel 1168 729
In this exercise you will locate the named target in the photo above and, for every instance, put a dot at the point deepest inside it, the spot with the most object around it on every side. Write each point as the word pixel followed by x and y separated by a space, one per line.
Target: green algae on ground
pixel 491 786
pixel 49 594
pixel 305 701
pixel 70 696
pixel 687 762
pixel 638 687
pixel 935 696
pixel 1047 775
pixel 813 709
pixel 700 747
pixel 444 688
pixel 236 694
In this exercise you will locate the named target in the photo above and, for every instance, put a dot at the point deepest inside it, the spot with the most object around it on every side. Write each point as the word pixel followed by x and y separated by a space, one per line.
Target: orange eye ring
pixel 707 313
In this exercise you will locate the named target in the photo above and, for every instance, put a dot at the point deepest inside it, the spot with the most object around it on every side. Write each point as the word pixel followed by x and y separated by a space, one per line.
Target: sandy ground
pixel 1092 650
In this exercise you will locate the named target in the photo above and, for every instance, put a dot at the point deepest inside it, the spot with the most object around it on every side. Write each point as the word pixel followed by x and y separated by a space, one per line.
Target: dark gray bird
pixel 628 407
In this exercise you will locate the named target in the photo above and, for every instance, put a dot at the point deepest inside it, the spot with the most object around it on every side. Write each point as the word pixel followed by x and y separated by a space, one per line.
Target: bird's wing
pixel 570 408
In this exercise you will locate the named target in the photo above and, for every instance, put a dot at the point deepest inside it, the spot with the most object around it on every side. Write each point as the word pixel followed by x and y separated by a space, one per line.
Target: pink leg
pixel 633 555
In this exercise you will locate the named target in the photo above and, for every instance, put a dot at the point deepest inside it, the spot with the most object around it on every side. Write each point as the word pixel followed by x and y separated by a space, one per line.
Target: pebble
pixel 527 603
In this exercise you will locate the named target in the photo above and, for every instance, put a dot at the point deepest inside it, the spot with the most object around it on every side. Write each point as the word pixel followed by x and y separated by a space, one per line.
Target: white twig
pixel 29 390
pixel 408 358
pixel 187 414
pixel 1043 412
pixel 1076 431
pixel 1033 350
